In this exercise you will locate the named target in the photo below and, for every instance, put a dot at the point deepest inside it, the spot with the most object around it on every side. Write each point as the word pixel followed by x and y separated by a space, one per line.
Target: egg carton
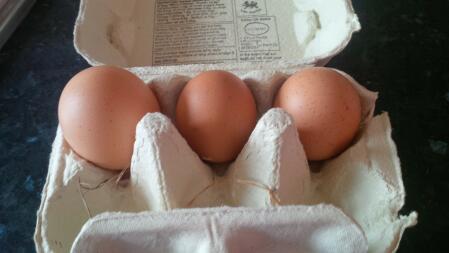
pixel 88 209
pixel 271 170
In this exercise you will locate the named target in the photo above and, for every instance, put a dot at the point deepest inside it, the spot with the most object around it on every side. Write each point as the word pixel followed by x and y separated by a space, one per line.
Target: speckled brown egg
pixel 98 112
pixel 326 109
pixel 216 114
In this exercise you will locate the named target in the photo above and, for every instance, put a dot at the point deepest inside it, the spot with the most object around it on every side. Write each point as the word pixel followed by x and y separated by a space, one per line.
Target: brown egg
pixel 326 109
pixel 216 114
pixel 98 112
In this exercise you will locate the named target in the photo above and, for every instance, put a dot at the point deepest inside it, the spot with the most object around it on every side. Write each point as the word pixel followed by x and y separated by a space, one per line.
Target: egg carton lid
pixel 167 36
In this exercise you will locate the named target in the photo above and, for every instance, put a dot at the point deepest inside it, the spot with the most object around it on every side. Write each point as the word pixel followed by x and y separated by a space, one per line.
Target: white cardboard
pixel 166 173
pixel 231 34
pixel 319 229
pixel 272 168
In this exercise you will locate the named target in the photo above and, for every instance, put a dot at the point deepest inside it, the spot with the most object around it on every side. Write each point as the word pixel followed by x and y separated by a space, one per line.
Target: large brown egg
pixel 216 114
pixel 98 112
pixel 326 109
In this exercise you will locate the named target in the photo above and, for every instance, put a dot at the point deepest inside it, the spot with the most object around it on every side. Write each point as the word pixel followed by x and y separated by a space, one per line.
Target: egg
pixel 216 114
pixel 98 112
pixel 326 109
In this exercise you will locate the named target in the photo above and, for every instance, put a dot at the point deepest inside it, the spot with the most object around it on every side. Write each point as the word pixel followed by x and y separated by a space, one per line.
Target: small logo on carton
pixel 251 7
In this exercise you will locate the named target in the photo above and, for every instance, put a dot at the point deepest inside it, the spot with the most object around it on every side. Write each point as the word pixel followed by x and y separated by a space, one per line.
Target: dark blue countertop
pixel 402 52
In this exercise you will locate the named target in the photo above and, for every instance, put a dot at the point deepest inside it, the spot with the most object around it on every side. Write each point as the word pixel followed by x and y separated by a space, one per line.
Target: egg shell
pixel 326 109
pixel 98 111
pixel 216 113
pixel 364 181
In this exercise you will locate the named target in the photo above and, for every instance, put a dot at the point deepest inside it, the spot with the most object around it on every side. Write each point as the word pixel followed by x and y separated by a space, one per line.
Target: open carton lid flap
pixel 229 35
pixel 321 228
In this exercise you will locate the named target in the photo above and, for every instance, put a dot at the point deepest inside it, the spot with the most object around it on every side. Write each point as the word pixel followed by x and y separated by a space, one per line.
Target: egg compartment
pixel 364 182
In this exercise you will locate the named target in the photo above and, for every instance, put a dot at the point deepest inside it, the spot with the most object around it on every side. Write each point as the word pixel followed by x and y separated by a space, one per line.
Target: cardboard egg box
pixel 353 199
